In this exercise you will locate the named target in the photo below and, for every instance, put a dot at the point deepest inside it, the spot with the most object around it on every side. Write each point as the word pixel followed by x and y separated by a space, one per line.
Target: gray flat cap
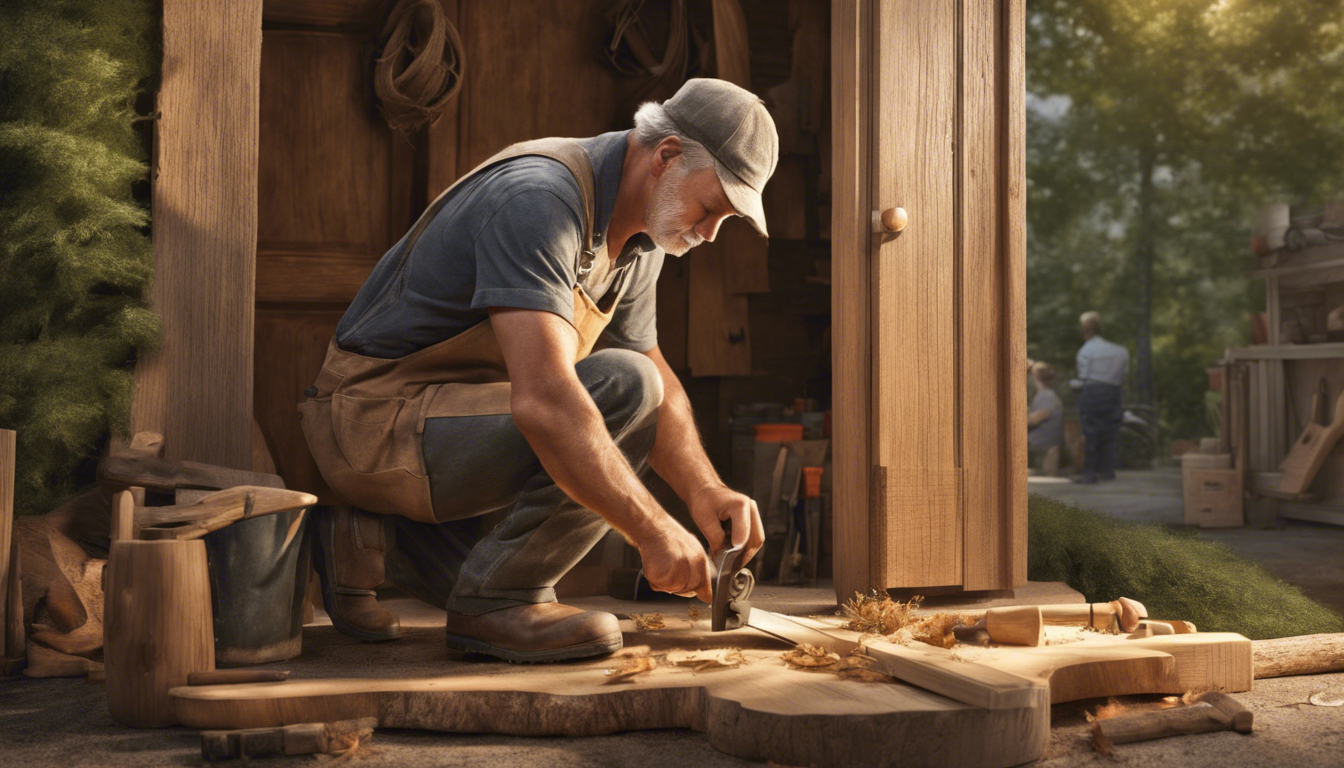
pixel 738 131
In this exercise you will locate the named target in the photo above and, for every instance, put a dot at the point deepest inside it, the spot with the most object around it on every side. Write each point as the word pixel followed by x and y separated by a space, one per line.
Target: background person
pixel 1102 366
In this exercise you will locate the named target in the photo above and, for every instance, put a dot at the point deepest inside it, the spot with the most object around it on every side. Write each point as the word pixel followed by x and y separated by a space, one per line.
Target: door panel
pixel 929 358
pixel 915 366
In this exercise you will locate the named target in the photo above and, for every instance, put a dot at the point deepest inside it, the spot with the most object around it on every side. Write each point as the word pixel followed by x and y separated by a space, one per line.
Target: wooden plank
pixel 368 14
pixel 914 326
pixel 851 265
pixel 986 440
pixel 8 454
pixel 746 253
pixel 197 389
pixel 917 516
pixel 718 340
pixel 672 305
pixel 440 151
pixel 1014 136
pixel 334 179
pixel 1330 351
pixel 291 345
pixel 561 86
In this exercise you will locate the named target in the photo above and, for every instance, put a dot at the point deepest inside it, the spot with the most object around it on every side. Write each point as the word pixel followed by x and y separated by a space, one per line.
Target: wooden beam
pixel 197 389
pixel 851 278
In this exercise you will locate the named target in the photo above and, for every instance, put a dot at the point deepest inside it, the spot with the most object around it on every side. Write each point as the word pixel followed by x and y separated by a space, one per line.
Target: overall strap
pixel 566 151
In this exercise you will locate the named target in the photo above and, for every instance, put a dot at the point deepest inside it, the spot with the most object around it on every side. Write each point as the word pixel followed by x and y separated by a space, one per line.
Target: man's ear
pixel 664 153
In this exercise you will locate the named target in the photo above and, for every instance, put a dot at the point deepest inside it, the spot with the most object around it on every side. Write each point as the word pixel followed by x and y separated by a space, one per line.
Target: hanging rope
pixel 637 29
pixel 421 65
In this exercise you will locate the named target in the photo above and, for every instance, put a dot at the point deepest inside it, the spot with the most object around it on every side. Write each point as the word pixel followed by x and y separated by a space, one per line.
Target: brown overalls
pixel 365 421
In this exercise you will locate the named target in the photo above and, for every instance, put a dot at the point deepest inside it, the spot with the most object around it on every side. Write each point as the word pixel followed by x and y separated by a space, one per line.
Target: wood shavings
pixel 647 621
pixel 807 656
pixel 692 612
pixel 630 669
pixel 1326 699
pixel 1112 708
pixel 876 613
pixel 700 661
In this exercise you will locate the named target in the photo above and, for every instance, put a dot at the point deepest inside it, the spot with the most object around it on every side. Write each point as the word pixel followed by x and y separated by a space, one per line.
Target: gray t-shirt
pixel 1050 432
pixel 511 236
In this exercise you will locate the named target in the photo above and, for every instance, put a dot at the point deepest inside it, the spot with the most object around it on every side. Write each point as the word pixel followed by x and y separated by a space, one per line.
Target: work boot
pixel 535 632
pixel 348 550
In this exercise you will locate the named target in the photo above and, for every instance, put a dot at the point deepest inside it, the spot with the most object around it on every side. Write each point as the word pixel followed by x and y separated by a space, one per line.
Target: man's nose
pixel 709 228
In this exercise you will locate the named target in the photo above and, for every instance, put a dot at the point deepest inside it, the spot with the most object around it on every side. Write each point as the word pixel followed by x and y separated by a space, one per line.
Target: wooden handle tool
pixel 1015 625
pixel 1122 613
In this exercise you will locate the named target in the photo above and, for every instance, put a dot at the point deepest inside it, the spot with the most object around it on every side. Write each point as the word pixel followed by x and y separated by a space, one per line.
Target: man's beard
pixel 667 211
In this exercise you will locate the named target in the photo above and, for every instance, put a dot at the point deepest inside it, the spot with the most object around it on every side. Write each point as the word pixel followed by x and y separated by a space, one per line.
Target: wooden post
pixel 197 389
pixel 8 446
pixel 157 627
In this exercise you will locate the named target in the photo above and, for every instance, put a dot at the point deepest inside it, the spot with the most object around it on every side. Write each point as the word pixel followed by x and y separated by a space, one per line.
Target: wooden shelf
pixel 1311 259
pixel 1286 352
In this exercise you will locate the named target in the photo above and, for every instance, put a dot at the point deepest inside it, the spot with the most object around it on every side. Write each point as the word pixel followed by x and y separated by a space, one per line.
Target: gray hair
pixel 1091 321
pixel 652 125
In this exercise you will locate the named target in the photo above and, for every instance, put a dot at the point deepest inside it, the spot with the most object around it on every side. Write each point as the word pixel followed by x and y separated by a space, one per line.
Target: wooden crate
pixel 1191 461
pixel 1213 497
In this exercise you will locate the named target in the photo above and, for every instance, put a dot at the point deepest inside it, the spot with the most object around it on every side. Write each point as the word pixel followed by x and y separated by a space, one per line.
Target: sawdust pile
pixel 647 621
pixel 877 614
pixel 692 612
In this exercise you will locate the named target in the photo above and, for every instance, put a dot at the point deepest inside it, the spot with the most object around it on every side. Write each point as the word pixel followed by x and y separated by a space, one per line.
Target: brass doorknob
pixel 890 221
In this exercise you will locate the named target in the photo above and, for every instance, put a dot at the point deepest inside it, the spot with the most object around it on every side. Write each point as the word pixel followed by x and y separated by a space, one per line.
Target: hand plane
pixel 732 608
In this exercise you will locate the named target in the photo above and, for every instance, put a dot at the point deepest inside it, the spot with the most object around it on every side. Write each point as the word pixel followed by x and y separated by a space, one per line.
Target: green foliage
pixel 1175 575
pixel 74 245
pixel 1224 104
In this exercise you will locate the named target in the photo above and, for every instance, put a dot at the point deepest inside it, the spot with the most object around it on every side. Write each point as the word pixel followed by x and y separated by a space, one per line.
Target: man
pixel 1102 366
pixel 1045 420
pixel 462 381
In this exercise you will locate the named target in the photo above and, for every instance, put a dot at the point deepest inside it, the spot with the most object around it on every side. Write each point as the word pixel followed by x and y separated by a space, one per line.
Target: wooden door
pixel 929 326
pixel 334 188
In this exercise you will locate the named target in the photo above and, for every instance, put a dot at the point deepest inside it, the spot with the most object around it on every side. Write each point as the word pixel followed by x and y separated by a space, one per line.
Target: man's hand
pixel 674 562
pixel 712 506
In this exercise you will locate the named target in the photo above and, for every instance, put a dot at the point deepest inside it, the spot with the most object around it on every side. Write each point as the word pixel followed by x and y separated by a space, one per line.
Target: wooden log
pixel 8 453
pixel 124 469
pixel 298 739
pixel 1199 718
pixel 45 662
pixel 1302 655
pixel 1243 719
pixel 158 627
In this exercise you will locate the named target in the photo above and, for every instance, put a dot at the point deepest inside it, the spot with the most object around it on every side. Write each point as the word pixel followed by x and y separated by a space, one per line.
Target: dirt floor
pixel 63 723
pixel 1309 555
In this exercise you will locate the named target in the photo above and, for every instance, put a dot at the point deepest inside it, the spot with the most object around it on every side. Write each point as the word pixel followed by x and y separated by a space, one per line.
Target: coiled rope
pixel 421 65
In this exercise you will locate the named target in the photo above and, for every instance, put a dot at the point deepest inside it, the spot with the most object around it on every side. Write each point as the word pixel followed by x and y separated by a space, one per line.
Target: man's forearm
pixel 678 454
pixel 566 431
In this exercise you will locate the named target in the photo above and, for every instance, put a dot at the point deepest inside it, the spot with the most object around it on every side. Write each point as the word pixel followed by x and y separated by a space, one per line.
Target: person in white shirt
pixel 1102 366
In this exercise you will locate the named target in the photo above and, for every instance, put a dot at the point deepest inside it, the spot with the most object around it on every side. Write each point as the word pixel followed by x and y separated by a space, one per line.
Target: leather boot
pixel 348 550
pixel 537 632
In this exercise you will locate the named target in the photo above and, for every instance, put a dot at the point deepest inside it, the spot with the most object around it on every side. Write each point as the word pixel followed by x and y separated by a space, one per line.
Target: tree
pixel 1156 127
pixel 74 245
